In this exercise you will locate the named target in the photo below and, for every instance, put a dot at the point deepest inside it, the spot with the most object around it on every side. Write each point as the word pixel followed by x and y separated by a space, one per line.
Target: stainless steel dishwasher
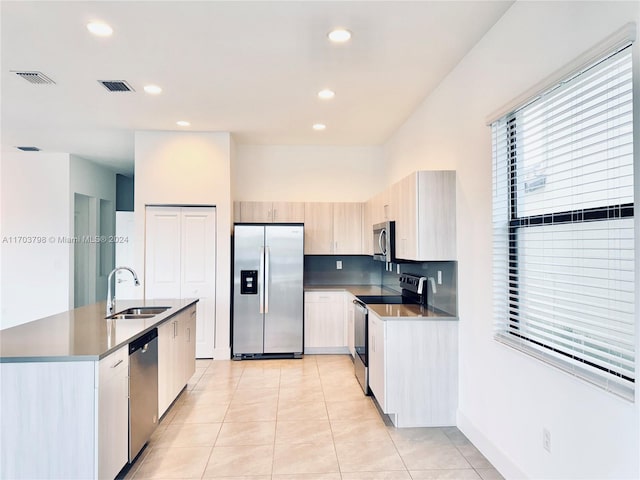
pixel 143 391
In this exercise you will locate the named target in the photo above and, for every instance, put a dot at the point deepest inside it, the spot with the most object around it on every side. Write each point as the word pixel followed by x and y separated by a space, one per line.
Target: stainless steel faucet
pixel 111 300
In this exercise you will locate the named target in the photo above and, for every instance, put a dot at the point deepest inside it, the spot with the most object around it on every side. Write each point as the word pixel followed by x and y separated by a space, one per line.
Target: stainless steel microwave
pixel 384 242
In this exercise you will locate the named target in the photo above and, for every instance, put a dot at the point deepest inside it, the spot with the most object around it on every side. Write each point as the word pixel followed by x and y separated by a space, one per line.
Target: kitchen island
pixel 64 385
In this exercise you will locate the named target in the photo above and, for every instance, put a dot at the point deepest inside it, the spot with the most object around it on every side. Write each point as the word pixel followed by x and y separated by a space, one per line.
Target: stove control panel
pixel 412 282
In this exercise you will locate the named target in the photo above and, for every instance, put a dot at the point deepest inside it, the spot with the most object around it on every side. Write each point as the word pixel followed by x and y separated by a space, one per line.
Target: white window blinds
pixel 563 205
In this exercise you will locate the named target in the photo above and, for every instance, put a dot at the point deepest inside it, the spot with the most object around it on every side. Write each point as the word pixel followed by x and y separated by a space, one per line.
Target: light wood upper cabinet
pixel 269 212
pixel 254 212
pixel 426 223
pixel 287 212
pixel 347 228
pixel 333 228
pixel 318 228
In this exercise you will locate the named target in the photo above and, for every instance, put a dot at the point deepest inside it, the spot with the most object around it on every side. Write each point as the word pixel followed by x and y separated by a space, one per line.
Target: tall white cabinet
pixel 180 262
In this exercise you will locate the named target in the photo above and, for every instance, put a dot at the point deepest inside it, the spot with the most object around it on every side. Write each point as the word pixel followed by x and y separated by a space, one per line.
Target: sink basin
pixel 130 316
pixel 150 311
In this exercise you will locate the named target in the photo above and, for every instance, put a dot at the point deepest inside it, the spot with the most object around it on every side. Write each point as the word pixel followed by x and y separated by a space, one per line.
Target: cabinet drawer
pixel 323 297
pixel 114 364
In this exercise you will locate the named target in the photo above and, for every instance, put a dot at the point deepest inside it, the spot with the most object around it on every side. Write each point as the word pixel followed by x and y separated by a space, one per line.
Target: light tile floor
pixel 303 419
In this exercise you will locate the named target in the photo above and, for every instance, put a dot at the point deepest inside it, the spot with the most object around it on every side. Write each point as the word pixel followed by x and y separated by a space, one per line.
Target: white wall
pixel 38 201
pixel 178 168
pixel 307 173
pixel 35 203
pixel 506 398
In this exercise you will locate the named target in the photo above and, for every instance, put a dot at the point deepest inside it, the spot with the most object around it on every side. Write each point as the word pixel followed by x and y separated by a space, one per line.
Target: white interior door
pixel 162 252
pixel 198 271
pixel 181 263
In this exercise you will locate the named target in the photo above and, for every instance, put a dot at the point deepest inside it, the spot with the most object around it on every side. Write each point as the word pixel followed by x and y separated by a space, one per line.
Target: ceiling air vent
pixel 116 85
pixel 29 149
pixel 37 78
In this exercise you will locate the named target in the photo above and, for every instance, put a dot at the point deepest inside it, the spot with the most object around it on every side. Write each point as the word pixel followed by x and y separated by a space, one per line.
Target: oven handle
pixel 360 304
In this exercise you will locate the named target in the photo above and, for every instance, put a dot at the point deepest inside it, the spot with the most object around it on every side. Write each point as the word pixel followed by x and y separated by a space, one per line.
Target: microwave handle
pixel 383 250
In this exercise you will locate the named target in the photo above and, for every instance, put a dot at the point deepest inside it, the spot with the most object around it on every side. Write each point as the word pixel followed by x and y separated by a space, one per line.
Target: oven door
pixel 361 361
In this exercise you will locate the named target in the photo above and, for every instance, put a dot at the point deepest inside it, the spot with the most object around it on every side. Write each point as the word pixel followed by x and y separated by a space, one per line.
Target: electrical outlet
pixel 439 277
pixel 546 440
pixel 398 268
pixel 338 264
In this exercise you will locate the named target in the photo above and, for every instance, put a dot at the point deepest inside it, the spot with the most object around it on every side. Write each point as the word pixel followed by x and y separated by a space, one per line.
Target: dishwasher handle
pixel 141 343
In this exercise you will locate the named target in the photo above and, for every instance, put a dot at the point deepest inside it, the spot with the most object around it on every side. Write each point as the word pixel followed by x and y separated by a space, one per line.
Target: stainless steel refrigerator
pixel 268 295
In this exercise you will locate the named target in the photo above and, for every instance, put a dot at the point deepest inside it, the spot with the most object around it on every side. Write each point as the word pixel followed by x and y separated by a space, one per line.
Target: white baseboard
pixel 498 459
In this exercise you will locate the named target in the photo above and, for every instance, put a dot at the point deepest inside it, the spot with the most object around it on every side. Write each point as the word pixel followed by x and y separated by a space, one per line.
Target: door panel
pixel 162 263
pixel 247 319
pixel 198 248
pixel 284 319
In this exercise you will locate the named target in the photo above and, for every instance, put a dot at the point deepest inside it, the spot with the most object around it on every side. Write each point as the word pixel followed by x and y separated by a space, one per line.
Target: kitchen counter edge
pixel 176 307
pixel 402 313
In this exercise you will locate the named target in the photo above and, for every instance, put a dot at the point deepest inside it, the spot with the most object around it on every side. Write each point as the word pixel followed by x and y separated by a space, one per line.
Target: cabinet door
pixel 377 358
pixel 318 231
pixel 188 326
pixel 367 228
pixel 288 212
pixel 407 219
pixel 347 228
pixel 256 212
pixel 167 370
pixel 324 322
pixel 437 215
pixel 113 413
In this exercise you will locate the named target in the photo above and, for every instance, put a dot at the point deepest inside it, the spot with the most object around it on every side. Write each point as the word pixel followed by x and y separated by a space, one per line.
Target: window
pixel 563 206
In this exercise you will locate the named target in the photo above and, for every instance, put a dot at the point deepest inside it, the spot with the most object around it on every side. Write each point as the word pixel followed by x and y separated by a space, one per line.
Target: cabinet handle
pixel 175 329
pixel 117 363
pixel 193 313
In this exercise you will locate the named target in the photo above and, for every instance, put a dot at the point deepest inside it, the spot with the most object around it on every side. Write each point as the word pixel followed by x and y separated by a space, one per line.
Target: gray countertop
pixel 82 334
pixel 384 311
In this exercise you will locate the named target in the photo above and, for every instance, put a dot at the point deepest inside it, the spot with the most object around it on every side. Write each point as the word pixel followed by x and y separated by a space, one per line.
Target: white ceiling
pixel 250 68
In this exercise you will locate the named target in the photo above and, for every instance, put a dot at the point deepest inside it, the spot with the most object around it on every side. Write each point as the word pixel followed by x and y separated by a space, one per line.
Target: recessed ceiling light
pixel 339 35
pixel 152 89
pixel 319 126
pixel 100 29
pixel 183 123
pixel 326 94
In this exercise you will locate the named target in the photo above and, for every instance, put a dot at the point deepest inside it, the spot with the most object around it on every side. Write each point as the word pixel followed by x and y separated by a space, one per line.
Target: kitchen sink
pixel 130 316
pixel 144 310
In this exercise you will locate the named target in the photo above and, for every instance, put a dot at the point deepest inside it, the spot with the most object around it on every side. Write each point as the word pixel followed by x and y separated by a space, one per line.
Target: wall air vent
pixel 37 78
pixel 29 149
pixel 116 85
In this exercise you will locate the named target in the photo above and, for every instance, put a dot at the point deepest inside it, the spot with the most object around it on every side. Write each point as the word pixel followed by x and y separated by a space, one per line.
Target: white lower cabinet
pixel 176 356
pixel 113 413
pixel 413 370
pixel 324 323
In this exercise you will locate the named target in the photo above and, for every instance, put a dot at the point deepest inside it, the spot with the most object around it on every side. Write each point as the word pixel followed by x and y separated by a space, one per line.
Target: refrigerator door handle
pixel 261 279
pixel 266 280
